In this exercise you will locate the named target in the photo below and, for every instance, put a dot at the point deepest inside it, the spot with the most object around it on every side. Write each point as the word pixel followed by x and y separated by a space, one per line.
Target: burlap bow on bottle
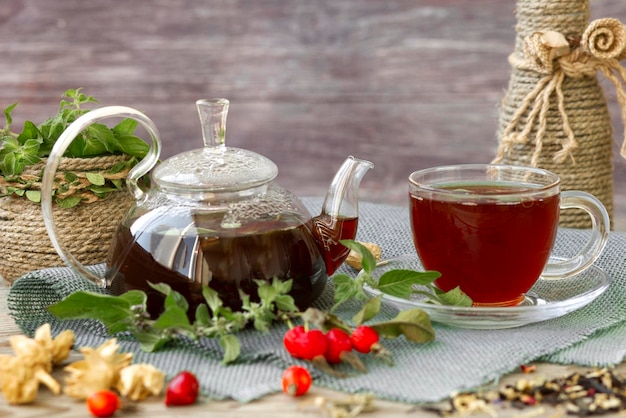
pixel 555 115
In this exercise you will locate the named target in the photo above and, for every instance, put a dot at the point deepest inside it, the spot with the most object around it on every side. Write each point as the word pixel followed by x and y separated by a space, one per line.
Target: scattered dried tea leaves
pixel 471 403
pixel 596 392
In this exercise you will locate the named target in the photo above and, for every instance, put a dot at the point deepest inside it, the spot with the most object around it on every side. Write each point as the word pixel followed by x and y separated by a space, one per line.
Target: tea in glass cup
pixel 491 229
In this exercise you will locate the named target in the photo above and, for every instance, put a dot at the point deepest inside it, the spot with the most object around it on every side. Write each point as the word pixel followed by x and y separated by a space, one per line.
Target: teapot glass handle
pixel 142 168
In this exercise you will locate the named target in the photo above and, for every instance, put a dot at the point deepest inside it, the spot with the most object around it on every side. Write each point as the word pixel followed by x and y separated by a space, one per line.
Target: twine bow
pixel 602 46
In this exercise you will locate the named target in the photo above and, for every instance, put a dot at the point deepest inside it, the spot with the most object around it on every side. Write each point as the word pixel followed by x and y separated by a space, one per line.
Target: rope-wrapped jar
pixel 86 229
pixel 554 114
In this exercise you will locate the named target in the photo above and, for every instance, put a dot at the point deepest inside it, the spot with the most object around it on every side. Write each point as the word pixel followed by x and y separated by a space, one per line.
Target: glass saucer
pixel 547 299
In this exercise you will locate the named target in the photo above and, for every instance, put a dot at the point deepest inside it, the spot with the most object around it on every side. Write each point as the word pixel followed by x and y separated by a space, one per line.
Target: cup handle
pixel 59 148
pixel 600 227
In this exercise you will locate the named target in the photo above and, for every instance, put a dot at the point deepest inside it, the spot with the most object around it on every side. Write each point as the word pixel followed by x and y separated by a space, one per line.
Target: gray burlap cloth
pixel 457 359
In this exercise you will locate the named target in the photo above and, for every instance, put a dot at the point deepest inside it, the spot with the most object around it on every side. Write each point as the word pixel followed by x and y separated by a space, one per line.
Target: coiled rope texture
pixel 554 114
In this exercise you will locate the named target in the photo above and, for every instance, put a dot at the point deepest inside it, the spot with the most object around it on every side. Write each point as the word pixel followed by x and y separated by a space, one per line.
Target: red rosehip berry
pixel 182 389
pixel 296 381
pixel 103 403
pixel 340 349
pixel 363 338
pixel 303 344
pixel 309 345
pixel 338 343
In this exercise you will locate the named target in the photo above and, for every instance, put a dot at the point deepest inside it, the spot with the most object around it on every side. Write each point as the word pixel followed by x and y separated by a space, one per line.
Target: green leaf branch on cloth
pixel 128 312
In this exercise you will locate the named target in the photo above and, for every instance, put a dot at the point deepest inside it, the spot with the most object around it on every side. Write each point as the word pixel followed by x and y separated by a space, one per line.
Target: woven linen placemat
pixel 457 359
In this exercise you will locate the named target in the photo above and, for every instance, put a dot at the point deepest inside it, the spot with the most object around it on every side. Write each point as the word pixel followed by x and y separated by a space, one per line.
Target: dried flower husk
pixel 59 346
pixel 21 375
pixel 43 349
pixel 30 352
pixel 99 370
pixel 20 380
pixel 138 381
pixel 354 259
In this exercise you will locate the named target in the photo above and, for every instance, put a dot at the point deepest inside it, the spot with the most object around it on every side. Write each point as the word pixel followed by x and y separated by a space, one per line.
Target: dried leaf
pixel 354 258
pixel 348 407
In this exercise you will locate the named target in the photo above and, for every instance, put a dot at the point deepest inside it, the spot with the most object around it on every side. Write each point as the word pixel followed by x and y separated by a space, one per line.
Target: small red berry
pixel 291 341
pixel 338 343
pixel 296 381
pixel 309 345
pixel 182 389
pixel 363 338
pixel 340 349
pixel 103 403
pixel 304 344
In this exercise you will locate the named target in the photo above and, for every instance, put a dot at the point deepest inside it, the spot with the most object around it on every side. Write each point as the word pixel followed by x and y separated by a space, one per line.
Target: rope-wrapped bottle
pixel 554 114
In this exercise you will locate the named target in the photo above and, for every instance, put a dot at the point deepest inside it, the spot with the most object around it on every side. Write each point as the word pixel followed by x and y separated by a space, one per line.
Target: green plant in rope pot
pixel 90 181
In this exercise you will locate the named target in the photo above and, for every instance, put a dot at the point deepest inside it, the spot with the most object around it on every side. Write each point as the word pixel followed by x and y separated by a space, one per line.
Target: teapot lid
pixel 215 167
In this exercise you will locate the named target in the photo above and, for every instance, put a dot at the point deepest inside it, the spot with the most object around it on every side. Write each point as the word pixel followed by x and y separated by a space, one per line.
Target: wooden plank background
pixel 404 83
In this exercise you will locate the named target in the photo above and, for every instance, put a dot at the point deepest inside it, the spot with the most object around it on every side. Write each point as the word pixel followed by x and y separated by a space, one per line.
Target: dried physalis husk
pixel 138 381
pixel 20 381
pixel 59 346
pixel 43 349
pixel 354 259
pixel 99 370
pixel 22 374
pixel 30 352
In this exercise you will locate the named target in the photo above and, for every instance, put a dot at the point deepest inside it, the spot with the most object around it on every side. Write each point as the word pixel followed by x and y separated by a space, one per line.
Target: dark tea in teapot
pixel 195 250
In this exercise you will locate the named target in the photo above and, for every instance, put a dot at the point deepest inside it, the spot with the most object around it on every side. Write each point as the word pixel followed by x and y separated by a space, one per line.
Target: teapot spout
pixel 342 195
pixel 340 212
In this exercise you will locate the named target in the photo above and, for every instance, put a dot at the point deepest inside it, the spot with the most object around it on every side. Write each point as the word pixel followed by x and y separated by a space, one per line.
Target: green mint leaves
pixel 34 142
pixel 128 312
pixel 398 283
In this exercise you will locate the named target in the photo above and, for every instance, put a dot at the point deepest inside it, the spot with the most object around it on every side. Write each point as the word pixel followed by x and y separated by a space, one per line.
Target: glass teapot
pixel 215 216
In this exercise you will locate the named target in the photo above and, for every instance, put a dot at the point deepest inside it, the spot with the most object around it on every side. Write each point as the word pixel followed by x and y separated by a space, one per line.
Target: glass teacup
pixel 491 229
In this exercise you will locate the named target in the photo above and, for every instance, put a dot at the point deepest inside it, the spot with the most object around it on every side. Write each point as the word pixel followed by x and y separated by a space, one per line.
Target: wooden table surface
pixel 277 405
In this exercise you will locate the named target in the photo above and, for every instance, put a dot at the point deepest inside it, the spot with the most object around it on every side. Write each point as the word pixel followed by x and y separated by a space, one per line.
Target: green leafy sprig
pixel 128 312
pixel 399 283
pixel 35 142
